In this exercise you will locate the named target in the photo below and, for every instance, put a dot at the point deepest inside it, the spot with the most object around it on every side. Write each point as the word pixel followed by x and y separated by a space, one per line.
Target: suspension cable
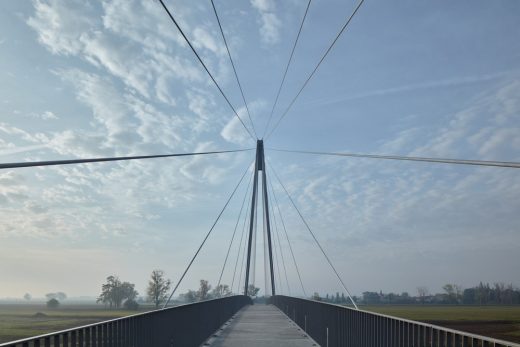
pixel 287 237
pixel 280 248
pixel 315 239
pixel 234 69
pixel 95 160
pixel 205 67
pixel 508 164
pixel 316 68
pixel 286 68
pixel 240 246
pixel 207 235
pixel 234 232
pixel 243 261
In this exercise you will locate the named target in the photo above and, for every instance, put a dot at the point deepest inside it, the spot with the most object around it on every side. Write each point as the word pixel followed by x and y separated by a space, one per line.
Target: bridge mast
pixel 259 166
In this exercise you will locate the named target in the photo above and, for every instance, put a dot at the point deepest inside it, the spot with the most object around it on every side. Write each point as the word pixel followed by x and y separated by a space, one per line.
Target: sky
pixel 82 79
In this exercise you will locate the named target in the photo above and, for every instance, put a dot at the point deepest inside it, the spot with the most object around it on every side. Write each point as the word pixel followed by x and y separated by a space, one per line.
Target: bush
pixel 131 305
pixel 53 303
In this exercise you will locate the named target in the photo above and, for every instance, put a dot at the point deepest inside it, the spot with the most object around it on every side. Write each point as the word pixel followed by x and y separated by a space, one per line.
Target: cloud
pixel 234 132
pixel 370 204
pixel 13 189
pixel 270 23
pixel 62 26
pixel 451 82
pixel 203 39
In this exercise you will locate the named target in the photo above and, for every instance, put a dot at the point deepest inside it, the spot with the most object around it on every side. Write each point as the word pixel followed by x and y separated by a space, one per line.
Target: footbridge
pixel 235 320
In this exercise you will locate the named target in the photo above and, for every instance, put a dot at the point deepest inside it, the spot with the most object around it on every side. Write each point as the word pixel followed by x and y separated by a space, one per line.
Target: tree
pixel 114 292
pixel 61 296
pixel 53 303
pixel 453 293
pixel 131 305
pixel 316 296
pixel 190 296
pixel 27 296
pixel 203 292
pixel 423 293
pixel 252 290
pixel 220 291
pixel 58 296
pixel 158 288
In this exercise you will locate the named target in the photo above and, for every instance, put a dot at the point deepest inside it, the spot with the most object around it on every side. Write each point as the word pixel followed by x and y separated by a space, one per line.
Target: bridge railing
pixel 185 325
pixel 334 325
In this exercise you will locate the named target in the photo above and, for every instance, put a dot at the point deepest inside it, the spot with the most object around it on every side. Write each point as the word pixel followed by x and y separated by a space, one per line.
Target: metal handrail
pixel 344 326
pixel 137 329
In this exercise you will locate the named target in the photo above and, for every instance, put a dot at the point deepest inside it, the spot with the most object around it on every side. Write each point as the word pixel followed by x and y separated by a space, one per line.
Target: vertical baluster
pixel 73 339
pixel 100 335
pixel 457 340
pixel 406 334
pixel 126 339
pixel 57 340
pixel 94 336
pixel 81 339
pixel 104 335
pixel 435 338
pixel 66 339
pixel 396 331
pixel 36 343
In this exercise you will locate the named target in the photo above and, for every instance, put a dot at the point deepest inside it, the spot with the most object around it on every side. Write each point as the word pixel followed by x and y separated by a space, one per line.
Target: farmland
pixel 22 320
pixel 501 322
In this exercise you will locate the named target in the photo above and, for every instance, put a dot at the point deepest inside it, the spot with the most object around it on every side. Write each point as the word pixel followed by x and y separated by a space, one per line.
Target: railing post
pixel 80 338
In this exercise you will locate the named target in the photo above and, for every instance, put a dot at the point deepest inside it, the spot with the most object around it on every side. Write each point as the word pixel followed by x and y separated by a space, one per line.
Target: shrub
pixel 53 303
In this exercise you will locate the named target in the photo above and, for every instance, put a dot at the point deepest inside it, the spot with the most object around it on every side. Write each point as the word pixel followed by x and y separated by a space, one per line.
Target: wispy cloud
pixel 371 206
pixel 270 23
pixel 452 82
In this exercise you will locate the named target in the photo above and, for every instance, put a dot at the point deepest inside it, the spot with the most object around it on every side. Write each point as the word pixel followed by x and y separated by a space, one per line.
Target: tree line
pixel 117 294
pixel 482 294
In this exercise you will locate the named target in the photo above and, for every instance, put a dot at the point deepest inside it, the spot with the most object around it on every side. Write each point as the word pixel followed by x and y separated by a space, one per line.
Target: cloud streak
pixel 448 83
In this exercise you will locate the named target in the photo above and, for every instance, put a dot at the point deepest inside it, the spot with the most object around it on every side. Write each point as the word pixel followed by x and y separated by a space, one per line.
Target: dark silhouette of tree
pixel 189 296
pixel 114 292
pixel 53 303
pixel 316 296
pixel 220 291
pixel 203 292
pixel 423 293
pixel 252 290
pixel 158 288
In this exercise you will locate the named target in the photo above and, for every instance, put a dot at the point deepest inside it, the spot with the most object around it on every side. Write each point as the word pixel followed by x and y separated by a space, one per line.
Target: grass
pixel 19 321
pixel 501 322
pixel 449 313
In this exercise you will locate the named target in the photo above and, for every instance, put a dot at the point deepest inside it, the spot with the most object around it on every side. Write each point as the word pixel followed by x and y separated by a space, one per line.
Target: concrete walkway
pixel 260 326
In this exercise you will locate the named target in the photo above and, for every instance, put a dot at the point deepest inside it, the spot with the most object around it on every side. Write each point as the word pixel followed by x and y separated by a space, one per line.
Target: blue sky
pixel 103 78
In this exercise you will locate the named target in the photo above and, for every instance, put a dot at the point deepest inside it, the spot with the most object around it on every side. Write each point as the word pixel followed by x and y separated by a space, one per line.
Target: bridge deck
pixel 261 325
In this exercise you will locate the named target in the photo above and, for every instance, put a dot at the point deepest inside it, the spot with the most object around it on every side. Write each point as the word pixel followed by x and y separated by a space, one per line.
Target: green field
pixel 501 322
pixel 19 320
